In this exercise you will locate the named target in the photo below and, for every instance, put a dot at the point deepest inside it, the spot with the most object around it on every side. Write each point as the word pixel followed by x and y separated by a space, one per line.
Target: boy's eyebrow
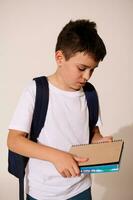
pixel 86 66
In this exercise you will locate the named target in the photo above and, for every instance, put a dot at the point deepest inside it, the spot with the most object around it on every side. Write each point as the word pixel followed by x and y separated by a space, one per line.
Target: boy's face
pixel 73 73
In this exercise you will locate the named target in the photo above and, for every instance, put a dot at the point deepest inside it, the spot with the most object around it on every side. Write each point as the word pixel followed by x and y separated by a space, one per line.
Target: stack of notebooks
pixel 103 157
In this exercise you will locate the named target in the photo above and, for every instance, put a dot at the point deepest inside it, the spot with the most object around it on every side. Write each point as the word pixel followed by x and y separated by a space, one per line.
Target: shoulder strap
pixel 93 106
pixel 41 105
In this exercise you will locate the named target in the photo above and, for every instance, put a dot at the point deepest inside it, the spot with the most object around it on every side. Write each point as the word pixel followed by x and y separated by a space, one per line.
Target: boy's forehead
pixel 85 59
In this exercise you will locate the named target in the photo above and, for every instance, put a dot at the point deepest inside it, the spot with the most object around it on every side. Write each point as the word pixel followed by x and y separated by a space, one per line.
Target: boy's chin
pixel 76 88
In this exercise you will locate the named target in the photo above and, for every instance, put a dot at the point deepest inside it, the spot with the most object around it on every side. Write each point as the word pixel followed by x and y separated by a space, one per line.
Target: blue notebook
pixel 103 157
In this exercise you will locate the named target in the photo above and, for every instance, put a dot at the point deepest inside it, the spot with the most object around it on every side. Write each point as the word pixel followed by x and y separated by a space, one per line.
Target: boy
pixel 53 173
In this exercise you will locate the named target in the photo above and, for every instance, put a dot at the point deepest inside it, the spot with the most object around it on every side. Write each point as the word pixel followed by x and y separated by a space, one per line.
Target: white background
pixel 28 32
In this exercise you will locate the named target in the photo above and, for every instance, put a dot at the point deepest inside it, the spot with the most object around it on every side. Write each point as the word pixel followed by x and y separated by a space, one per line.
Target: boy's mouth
pixel 82 83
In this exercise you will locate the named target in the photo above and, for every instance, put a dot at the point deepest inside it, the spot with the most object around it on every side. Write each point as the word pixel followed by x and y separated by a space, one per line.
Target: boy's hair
pixel 81 36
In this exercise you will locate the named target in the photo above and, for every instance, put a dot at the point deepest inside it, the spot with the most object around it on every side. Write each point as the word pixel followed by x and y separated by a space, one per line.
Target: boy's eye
pixel 81 68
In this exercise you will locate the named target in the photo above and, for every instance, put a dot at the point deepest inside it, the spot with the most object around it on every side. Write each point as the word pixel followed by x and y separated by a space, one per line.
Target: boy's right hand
pixel 67 164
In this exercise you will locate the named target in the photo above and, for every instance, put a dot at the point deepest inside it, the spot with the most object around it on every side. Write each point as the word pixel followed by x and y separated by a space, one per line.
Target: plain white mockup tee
pixel 66 125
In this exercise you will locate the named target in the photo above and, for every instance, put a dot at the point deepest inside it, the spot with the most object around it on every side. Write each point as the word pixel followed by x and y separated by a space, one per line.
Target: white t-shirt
pixel 66 124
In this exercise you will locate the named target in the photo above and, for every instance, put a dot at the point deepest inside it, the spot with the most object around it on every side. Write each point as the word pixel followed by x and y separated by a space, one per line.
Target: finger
pixel 63 174
pixel 76 170
pixel 80 159
pixel 67 173
pixel 107 139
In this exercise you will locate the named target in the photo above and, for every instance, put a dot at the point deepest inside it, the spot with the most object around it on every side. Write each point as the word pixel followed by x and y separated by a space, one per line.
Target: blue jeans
pixel 86 195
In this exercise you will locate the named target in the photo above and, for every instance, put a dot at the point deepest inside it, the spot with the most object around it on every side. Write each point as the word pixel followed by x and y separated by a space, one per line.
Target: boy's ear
pixel 59 57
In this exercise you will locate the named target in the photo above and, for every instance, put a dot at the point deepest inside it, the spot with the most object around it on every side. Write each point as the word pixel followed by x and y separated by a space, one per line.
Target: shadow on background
pixel 119 185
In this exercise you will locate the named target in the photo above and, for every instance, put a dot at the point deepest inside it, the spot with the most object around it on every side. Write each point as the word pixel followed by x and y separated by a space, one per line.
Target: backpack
pixel 16 162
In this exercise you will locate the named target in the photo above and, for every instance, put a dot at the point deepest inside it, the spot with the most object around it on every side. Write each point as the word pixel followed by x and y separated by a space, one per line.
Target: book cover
pixel 103 157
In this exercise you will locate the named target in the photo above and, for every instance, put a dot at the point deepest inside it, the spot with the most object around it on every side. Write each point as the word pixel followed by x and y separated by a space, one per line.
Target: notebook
pixel 103 157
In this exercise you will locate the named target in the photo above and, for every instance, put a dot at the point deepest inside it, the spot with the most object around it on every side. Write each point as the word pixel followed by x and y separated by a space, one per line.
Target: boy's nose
pixel 86 75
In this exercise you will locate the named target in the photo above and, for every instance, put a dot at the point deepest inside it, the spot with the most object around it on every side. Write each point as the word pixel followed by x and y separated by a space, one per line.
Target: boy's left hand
pixel 97 136
pixel 104 139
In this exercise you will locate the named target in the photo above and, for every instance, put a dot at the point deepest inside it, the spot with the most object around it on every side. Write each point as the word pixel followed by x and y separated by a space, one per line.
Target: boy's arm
pixel 97 136
pixel 65 163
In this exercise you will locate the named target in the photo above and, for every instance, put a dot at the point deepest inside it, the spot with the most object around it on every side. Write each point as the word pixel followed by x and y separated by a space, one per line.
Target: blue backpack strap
pixel 41 105
pixel 93 106
pixel 16 162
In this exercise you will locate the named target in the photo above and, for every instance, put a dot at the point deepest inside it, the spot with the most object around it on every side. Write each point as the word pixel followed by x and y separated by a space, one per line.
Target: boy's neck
pixel 56 80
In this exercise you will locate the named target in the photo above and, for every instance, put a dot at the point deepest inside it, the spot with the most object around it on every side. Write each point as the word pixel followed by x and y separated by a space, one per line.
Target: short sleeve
pixel 22 116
